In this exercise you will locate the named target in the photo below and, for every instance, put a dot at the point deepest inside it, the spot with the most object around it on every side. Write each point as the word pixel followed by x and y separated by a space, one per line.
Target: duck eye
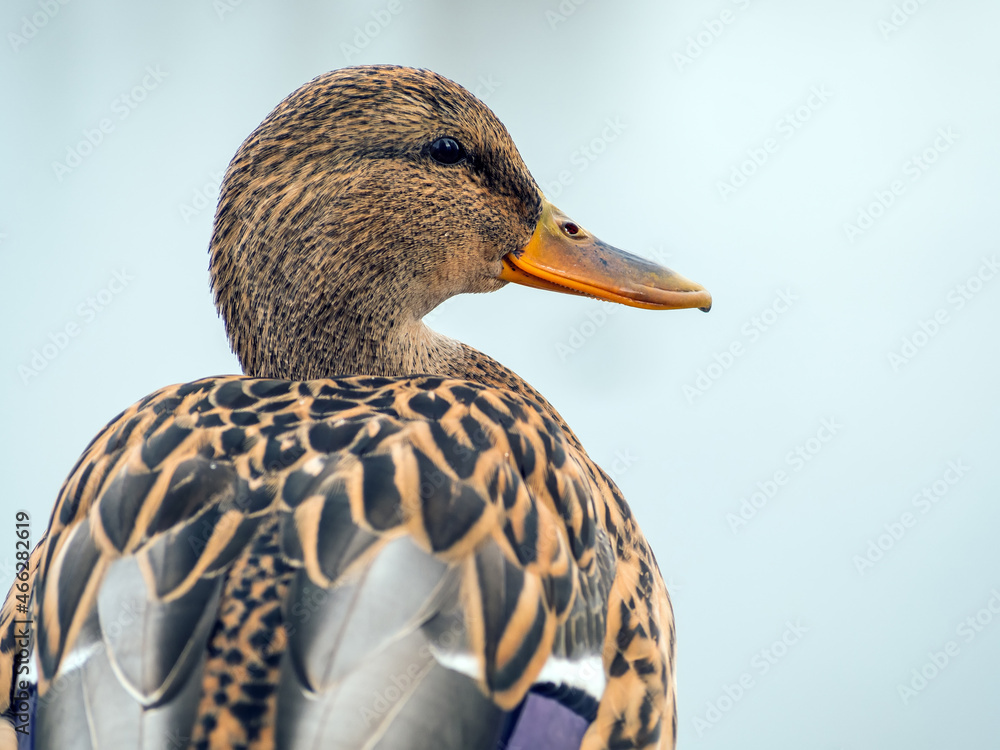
pixel 447 151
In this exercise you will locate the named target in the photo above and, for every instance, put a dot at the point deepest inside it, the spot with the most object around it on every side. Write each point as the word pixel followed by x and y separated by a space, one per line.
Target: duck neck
pixel 356 340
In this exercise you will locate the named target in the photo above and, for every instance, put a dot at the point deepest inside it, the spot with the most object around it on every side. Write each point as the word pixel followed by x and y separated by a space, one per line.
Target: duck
pixel 376 536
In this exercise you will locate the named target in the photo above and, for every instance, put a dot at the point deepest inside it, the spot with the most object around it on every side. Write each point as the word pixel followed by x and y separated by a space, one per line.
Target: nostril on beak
pixel 570 228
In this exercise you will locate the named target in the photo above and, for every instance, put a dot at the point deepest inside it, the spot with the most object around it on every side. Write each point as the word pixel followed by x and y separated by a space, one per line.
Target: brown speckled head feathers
pixel 337 232
pixel 379 537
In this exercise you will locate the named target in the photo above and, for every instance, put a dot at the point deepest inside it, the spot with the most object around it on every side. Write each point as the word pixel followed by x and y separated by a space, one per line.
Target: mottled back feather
pixel 243 552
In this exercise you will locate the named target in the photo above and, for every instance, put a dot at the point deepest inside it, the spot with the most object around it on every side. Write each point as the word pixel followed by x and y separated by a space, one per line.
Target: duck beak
pixel 562 256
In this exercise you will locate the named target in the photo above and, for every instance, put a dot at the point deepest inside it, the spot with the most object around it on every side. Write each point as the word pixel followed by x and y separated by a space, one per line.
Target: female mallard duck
pixel 380 537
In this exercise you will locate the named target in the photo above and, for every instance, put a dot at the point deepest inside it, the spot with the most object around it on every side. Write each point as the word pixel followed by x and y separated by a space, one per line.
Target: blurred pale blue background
pixel 828 170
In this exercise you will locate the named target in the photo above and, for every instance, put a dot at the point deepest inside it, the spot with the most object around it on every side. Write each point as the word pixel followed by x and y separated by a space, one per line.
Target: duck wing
pixel 351 563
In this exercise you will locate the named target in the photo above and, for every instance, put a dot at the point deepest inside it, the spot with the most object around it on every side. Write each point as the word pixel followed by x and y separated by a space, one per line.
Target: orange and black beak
pixel 562 256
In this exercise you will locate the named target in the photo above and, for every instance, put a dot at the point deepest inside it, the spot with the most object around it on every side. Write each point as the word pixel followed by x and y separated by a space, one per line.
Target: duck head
pixel 369 196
